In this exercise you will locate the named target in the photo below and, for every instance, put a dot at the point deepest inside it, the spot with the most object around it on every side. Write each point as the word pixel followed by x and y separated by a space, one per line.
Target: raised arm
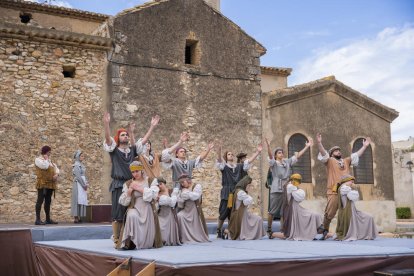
pixel 307 145
pixel 269 151
pixel 131 130
pixel 204 154
pixel 106 119
pixel 321 149
pixel 254 156
pixel 183 138
pixel 219 148
pixel 154 122
pixel 366 143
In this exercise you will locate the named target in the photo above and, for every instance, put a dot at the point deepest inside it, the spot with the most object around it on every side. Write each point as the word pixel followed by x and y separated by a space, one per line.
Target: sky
pixel 366 44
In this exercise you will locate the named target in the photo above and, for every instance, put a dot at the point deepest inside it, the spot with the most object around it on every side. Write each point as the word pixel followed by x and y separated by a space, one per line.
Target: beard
pixel 123 143
pixel 338 157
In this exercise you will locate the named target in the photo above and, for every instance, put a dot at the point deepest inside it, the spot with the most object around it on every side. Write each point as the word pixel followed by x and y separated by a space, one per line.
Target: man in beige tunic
pixel 336 167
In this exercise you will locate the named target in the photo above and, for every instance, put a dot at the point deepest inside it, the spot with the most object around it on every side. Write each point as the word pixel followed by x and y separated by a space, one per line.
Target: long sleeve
pixel 124 199
pixel 164 200
pixel 174 198
pixel 192 195
pixel 150 193
pixel 246 165
pixel 198 163
pixel 220 165
pixel 140 147
pixel 323 158
pixel 345 189
pixel 299 195
pixel 290 188
pixel 111 147
pixel 243 196
pixel 354 159
pixel 42 163
pixel 353 195
pixel 77 172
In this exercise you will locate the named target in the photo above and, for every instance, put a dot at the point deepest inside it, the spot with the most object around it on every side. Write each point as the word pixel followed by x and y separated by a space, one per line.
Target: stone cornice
pixel 275 71
pixel 55 10
pixel 54 36
pixel 330 84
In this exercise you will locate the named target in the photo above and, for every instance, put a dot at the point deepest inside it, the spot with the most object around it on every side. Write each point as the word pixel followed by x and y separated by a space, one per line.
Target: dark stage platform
pixel 87 250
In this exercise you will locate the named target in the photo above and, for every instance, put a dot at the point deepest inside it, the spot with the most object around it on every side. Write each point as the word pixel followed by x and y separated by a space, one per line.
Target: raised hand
pixel 267 142
pixel 210 146
pixel 155 120
pixel 260 147
pixel 131 128
pixel 165 143
pixel 107 117
pixel 319 137
pixel 185 136
pixel 310 142
pixel 367 141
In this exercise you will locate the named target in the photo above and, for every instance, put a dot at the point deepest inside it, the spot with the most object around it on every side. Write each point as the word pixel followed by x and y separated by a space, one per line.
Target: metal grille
pixel 364 172
pixel 303 166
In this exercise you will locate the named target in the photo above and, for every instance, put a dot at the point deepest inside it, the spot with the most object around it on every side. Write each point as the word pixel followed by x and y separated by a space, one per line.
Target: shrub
pixel 403 213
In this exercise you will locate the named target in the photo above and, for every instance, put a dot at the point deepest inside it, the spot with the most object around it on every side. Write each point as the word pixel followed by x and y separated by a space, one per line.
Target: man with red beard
pixel 122 155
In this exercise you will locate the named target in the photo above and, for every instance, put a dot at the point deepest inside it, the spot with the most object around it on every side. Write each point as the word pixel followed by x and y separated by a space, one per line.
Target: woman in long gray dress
pixel 300 224
pixel 79 187
pixel 166 214
pixel 191 222
pixel 243 224
pixel 352 223
pixel 139 227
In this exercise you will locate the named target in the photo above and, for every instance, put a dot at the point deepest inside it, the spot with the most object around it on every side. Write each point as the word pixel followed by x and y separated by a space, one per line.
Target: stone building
pixel 344 117
pixel 52 78
pixel 60 69
pixel 403 153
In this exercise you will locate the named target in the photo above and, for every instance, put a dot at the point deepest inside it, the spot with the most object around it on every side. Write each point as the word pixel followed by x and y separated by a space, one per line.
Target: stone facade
pixel 341 115
pixel 39 106
pixel 217 98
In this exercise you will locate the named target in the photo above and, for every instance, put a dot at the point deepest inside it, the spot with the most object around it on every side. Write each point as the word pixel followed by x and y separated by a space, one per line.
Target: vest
pixel 45 178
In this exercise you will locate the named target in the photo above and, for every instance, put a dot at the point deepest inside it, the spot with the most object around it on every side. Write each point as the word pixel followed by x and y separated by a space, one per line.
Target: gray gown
pixel 139 224
pixel 361 226
pixel 168 223
pixel 189 221
pixel 252 225
pixel 304 223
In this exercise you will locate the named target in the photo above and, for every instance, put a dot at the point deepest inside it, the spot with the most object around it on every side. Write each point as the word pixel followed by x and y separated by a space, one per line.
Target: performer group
pixel 146 213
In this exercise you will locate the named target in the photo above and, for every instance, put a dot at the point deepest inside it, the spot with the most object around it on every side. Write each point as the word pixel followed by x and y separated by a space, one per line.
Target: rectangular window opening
pixel 192 54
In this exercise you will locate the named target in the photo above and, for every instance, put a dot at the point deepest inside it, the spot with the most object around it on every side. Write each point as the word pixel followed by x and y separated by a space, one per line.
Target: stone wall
pixel 41 107
pixel 403 179
pixel 219 98
pixel 340 121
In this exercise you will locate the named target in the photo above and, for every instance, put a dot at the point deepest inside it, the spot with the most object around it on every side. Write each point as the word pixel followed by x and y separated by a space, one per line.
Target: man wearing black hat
pixel 47 174
pixel 336 167
pixel 231 173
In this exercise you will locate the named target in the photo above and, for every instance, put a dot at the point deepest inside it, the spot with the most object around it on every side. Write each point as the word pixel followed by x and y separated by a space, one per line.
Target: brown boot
pixel 116 229
pixel 269 224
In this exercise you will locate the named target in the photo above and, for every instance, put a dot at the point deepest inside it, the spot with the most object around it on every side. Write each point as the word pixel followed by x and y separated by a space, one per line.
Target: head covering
pixel 278 149
pixel 161 179
pixel 242 184
pixel 296 179
pixel 77 155
pixel 346 178
pixel 118 132
pixel 184 176
pixel 136 166
pixel 45 149
pixel 240 156
pixel 334 148
pixel 176 151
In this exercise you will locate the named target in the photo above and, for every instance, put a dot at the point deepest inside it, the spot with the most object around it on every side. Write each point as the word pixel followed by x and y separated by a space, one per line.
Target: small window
pixel 303 166
pixel 192 52
pixel 25 17
pixel 69 71
pixel 364 172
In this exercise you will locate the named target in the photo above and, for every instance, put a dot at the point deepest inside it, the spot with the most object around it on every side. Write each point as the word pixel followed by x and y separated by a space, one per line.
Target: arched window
pixel 364 172
pixel 303 166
